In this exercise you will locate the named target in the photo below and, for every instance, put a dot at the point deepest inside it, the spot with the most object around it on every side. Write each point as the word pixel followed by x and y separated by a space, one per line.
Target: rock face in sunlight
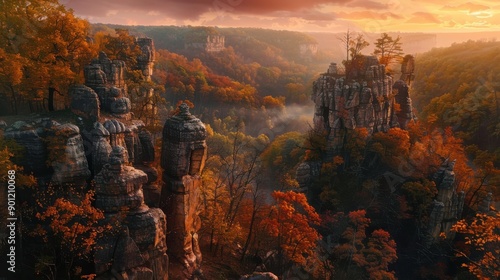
pixel 448 204
pixel 140 244
pixel 182 159
pixel 365 98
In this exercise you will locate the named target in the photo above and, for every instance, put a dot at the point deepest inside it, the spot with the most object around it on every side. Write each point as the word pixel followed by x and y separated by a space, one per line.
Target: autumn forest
pixel 197 152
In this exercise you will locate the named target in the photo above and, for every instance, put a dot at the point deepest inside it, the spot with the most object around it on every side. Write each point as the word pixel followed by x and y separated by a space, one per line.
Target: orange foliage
pixel 378 254
pixel 290 221
pixel 392 144
pixel 74 225
pixel 482 234
pixel 373 255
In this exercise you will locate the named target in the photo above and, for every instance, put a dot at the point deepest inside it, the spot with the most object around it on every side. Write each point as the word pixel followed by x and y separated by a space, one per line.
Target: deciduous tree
pixel 49 42
pixel 388 49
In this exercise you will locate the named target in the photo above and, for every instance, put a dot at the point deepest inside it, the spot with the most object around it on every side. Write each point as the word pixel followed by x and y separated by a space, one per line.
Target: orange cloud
pixel 469 7
pixel 360 15
pixel 423 17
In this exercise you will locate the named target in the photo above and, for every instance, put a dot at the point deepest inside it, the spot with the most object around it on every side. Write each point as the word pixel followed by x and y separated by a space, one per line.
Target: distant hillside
pixel 276 63
pixel 174 38
pixel 459 86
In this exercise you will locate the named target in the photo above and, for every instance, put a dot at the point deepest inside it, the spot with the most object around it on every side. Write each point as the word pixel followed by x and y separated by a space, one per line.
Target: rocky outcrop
pixel 101 148
pixel 404 113
pixel 67 155
pixel 53 152
pixel 448 204
pixel 140 245
pixel 145 60
pixel 407 69
pixel 212 43
pixel 107 79
pixel 182 159
pixel 306 172
pixel 85 103
pixel 308 49
pixel 105 145
pixel 260 276
pixel 33 156
pixel 363 98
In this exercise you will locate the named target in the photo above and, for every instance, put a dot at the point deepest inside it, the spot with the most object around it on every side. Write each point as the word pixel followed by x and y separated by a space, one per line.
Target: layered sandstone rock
pixel 145 60
pixel 53 152
pixel 366 99
pixel 210 43
pixel 33 156
pixel 182 159
pixel 85 103
pixel 67 156
pixel 140 245
pixel 118 153
pixel 448 204
pixel 107 79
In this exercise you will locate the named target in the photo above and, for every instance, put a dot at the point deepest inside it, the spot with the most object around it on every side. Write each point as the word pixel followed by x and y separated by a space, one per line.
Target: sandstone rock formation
pixel 306 172
pixel 67 155
pixel 407 69
pixel 145 61
pixel 107 79
pixel 448 204
pixel 140 246
pixel 366 99
pixel 260 276
pixel 117 152
pixel 182 159
pixel 53 152
pixel 85 102
pixel 34 155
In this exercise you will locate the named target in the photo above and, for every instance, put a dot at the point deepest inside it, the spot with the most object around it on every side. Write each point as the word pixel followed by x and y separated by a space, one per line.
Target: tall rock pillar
pixel 183 157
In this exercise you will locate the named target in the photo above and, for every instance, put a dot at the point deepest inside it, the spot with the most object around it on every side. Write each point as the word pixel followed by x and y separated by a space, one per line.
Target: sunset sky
pixel 300 15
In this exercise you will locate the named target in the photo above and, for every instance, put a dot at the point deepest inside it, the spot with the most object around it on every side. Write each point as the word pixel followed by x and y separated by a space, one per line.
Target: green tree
pixel 388 49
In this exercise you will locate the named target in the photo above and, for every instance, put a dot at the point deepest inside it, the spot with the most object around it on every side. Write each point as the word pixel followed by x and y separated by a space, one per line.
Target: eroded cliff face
pixel 367 99
pixel 370 99
pixel 184 152
pixel 447 206
pixel 137 247
pixel 106 146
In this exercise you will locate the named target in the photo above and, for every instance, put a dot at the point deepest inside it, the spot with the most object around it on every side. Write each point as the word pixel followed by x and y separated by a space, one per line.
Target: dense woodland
pixel 361 218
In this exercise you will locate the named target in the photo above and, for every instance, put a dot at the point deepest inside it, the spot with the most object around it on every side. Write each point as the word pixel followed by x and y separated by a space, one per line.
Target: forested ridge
pixel 366 212
pixel 459 87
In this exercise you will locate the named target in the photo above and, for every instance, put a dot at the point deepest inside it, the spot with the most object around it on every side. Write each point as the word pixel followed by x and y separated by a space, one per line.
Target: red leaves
pixel 291 222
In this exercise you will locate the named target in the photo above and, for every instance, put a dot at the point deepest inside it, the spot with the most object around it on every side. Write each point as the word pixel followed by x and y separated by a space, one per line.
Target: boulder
pixel 85 103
